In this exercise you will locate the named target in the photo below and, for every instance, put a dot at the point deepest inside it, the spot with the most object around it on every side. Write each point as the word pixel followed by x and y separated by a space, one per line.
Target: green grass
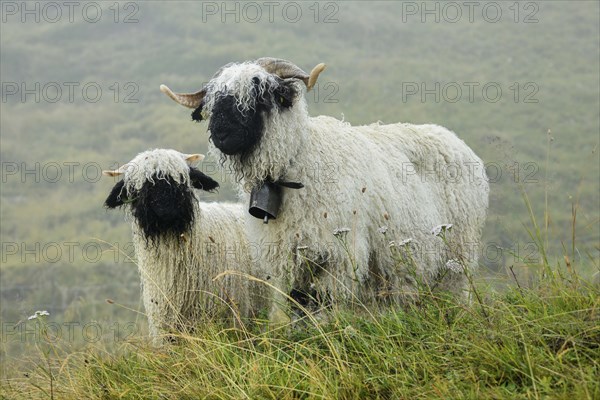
pixel 539 342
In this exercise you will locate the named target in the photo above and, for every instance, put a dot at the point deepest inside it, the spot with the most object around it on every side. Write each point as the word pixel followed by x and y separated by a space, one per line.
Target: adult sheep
pixel 182 244
pixel 367 184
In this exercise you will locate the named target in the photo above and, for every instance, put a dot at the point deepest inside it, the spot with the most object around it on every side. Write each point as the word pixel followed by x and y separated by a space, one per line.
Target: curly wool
pixel 178 273
pixel 237 79
pixel 179 288
pixel 155 163
pixel 364 178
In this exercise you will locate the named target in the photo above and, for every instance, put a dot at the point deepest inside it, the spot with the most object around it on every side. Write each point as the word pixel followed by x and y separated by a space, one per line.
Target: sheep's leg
pixel 456 284
pixel 278 314
pixel 292 299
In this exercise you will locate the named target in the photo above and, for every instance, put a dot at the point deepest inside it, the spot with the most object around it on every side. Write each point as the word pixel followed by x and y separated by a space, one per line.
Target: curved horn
pixel 285 69
pixel 314 75
pixel 116 172
pixel 190 100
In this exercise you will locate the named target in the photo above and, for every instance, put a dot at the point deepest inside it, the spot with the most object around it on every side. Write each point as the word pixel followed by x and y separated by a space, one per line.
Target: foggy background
pixel 517 81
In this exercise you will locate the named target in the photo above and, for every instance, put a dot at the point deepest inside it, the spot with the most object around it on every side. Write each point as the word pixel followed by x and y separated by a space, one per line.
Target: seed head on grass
pixel 340 232
pixel 38 314
pixel 440 230
pixel 405 242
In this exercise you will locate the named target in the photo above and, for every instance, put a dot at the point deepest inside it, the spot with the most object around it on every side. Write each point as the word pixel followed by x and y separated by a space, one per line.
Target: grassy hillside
pixel 63 252
pixel 528 343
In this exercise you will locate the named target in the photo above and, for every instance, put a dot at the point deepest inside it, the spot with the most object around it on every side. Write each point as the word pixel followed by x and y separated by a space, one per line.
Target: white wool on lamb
pixel 182 245
pixel 178 275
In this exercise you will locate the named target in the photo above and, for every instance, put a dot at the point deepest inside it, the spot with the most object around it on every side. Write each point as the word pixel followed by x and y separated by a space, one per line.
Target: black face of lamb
pixel 235 132
pixel 162 206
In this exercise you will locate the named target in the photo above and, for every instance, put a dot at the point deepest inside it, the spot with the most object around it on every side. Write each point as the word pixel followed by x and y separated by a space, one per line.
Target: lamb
pixel 365 190
pixel 182 244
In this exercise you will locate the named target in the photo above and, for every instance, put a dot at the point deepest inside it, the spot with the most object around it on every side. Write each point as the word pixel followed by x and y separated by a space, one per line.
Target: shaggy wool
pixel 178 271
pixel 367 191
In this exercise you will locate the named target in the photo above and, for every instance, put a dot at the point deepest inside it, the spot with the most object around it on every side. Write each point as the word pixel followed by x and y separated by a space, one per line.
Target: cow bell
pixel 265 200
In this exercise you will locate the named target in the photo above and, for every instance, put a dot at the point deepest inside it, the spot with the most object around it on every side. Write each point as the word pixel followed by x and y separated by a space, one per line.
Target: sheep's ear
pixel 197 113
pixel 201 181
pixel 193 158
pixel 117 196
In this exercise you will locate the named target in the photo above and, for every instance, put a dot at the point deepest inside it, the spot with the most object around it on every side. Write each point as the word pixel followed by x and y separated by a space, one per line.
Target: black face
pixel 234 132
pixel 231 131
pixel 163 206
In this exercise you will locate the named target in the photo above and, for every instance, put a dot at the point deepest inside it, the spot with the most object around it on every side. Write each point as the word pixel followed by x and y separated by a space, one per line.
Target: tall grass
pixel 541 342
pixel 531 342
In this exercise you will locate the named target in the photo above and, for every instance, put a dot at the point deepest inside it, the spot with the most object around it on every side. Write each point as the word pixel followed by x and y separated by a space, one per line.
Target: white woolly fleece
pixel 177 273
pixel 383 182
pixel 236 79
pixel 162 162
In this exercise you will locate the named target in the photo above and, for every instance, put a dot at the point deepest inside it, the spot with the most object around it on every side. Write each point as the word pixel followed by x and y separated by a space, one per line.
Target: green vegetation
pixel 542 342
pixel 63 253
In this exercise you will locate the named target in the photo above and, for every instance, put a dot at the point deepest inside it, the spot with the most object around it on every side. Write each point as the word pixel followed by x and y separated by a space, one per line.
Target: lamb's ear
pixel 201 181
pixel 117 196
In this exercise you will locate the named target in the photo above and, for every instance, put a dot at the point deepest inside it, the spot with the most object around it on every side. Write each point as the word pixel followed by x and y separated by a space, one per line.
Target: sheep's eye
pixel 284 95
pixel 284 101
